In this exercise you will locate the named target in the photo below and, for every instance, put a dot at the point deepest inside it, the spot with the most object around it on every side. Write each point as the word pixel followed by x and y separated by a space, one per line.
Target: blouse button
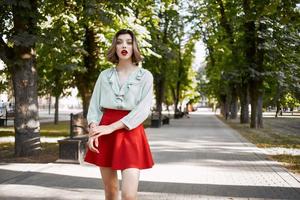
pixel 120 97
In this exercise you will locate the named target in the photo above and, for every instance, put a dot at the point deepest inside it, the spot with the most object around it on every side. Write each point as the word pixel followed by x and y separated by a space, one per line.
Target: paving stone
pixel 196 158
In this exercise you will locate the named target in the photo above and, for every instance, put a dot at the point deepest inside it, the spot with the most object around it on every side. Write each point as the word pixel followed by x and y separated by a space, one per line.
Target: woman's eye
pixel 119 42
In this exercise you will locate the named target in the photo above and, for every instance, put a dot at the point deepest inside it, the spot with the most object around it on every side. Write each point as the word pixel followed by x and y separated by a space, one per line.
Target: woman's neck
pixel 125 65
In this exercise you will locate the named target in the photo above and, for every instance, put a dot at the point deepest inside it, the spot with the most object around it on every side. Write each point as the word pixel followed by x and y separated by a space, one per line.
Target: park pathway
pixel 196 158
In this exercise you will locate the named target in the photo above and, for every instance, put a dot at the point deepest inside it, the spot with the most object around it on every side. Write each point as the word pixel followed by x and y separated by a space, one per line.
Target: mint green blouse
pixel 135 95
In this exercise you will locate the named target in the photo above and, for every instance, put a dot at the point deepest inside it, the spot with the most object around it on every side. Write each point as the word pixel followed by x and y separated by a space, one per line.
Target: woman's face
pixel 124 47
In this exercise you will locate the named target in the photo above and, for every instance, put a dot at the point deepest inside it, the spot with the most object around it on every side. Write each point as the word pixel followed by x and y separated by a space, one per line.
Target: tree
pixel 17 50
pixel 169 40
pixel 265 34
pixel 86 29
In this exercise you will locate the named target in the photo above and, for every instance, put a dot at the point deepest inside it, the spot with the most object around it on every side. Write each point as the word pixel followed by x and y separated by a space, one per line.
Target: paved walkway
pixel 196 158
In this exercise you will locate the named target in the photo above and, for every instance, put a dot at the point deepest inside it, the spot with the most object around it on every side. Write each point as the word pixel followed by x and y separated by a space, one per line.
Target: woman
pixel 120 102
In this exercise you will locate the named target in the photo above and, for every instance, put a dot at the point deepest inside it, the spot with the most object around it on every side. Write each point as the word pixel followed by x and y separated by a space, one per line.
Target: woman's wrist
pixel 117 125
pixel 92 125
pixel 112 127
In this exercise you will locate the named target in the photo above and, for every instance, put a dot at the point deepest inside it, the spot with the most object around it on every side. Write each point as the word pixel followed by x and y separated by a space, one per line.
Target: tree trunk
pixel 278 109
pixel 56 110
pixel 244 99
pixel 253 101
pixel 256 104
pixel 49 105
pixel 260 111
pixel 85 94
pixel 24 76
pixel 20 60
pixel 277 99
pixel 86 102
pixel 224 106
pixel 26 123
pixel 85 80
pixel 233 103
pixel 260 68
pixel 159 89
pixel 249 51
pixel 175 98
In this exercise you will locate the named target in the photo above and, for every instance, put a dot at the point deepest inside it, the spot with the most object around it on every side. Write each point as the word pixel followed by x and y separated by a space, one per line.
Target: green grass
pixel 48 153
pixel 55 130
pixel 266 137
pixel 272 136
pixel 6 131
pixel 47 129
pixel 291 162
pixel 51 129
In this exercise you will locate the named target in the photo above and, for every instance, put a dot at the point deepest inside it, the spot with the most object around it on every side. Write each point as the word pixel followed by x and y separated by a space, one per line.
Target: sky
pixel 199 55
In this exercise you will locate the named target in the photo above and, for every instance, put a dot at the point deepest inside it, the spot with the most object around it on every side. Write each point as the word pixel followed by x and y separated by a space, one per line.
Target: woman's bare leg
pixel 130 182
pixel 111 183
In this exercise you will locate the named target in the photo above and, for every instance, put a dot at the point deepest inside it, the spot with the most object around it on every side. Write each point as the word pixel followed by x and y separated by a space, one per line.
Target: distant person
pixel 121 101
pixel 186 110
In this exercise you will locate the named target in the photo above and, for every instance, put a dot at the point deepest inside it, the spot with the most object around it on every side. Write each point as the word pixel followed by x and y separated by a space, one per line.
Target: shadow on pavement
pixel 72 182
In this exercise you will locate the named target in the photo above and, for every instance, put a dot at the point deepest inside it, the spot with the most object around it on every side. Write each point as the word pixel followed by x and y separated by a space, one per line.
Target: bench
pixel 166 120
pixel 9 115
pixel 156 122
pixel 178 114
pixel 73 148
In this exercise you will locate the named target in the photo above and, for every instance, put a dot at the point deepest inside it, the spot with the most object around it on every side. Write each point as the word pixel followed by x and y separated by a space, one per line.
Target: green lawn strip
pixel 47 129
pixel 48 153
pixel 270 137
pixel 55 130
pixel 290 162
pixel 266 137
pixel 50 129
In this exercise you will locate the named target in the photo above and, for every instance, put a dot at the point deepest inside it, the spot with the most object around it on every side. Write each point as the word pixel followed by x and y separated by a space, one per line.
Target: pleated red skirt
pixel 123 148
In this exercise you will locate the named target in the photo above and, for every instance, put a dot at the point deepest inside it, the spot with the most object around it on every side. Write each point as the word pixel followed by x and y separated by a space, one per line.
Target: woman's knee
pixel 128 195
pixel 111 192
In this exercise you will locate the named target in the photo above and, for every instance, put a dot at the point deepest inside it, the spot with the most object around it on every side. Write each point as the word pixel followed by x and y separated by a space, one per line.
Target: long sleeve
pixel 140 113
pixel 94 113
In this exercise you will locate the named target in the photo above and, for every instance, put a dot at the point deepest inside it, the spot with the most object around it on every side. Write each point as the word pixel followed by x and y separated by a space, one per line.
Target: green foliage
pixel 66 56
pixel 227 43
pixel 173 46
pixel 290 101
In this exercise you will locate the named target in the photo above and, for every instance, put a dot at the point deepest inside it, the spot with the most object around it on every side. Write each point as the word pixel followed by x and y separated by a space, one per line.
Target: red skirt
pixel 123 148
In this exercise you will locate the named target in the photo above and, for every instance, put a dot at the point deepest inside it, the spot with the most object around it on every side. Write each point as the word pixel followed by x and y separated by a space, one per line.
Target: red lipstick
pixel 124 52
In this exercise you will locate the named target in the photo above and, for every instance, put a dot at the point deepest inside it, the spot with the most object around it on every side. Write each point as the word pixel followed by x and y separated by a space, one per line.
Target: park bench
pixel 165 120
pixel 73 148
pixel 178 114
pixel 9 115
pixel 156 122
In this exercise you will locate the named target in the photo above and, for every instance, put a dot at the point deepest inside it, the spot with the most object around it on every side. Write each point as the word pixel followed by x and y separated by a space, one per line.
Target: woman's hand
pixel 92 127
pixel 101 130
pixel 95 133
pixel 91 144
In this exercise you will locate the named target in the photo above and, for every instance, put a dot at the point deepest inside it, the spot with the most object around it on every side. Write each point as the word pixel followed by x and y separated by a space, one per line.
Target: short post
pixel 6 117
pixel 71 125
